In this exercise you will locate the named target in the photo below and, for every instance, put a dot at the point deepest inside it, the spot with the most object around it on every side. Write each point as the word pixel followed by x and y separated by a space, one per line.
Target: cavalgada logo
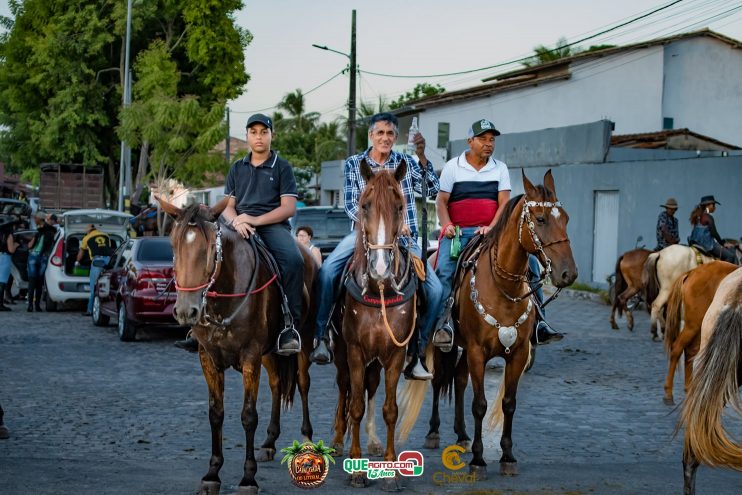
pixel 451 459
pixel 308 463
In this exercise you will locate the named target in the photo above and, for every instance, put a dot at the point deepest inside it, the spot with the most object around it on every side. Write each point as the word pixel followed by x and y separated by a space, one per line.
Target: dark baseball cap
pixel 259 118
pixel 481 126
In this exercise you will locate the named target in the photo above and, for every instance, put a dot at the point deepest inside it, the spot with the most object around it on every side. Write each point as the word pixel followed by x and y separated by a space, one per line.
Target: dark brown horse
pixel 494 314
pixel 715 384
pixel 232 302
pixel 689 299
pixel 628 284
pixel 375 335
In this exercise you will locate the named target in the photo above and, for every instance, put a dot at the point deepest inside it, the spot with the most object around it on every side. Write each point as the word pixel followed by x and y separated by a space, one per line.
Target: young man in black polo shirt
pixel 263 194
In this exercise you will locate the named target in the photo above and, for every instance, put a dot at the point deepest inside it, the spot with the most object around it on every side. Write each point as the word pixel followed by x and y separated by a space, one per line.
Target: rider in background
pixel 667 225
pixel 473 188
pixel 704 231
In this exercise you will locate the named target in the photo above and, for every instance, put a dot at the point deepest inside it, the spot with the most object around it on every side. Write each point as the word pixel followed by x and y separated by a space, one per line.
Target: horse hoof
pixel 466 444
pixel 358 480
pixel 339 447
pixel 655 338
pixel 509 468
pixel 209 488
pixel 391 484
pixel 375 449
pixel 246 490
pixel 614 326
pixel 432 441
pixel 669 401
pixel 265 454
pixel 479 472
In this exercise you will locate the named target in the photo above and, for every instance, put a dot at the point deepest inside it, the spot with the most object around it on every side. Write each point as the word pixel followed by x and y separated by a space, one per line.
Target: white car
pixel 64 282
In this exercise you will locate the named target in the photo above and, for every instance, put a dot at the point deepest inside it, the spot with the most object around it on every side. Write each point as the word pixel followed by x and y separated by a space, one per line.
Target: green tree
pixel 61 75
pixel 544 54
pixel 421 90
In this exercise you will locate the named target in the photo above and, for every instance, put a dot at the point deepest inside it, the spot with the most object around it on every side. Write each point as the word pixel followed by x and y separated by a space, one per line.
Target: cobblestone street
pixel 89 414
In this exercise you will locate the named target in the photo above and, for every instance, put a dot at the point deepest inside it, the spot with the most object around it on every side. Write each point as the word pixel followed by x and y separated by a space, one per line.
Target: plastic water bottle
pixel 456 244
pixel 411 147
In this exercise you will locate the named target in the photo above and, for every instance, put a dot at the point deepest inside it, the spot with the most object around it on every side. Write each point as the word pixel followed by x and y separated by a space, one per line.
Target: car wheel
pixel 127 330
pixel 99 319
pixel 49 304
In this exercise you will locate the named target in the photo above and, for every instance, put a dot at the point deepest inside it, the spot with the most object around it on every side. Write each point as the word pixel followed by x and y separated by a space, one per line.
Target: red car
pixel 137 287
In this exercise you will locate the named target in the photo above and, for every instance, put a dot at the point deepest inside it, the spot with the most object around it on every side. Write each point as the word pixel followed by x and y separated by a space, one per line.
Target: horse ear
pixel 528 187
pixel 168 208
pixel 549 183
pixel 218 208
pixel 366 171
pixel 401 171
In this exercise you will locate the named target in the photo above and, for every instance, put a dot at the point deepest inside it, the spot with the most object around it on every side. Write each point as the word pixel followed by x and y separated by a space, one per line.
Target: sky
pixel 423 37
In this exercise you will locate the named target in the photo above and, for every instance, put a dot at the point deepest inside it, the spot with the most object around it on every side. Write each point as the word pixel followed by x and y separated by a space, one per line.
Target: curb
pixel 575 294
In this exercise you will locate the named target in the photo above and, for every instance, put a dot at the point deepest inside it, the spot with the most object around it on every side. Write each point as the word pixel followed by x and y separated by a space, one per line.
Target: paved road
pixel 89 414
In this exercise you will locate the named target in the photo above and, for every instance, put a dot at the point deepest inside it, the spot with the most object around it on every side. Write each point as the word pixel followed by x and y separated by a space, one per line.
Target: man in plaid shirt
pixel 382 135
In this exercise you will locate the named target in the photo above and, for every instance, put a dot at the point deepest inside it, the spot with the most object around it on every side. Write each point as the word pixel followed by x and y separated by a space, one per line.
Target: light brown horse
pixel 715 383
pixel 689 299
pixel 233 304
pixel 494 313
pixel 376 334
pixel 629 267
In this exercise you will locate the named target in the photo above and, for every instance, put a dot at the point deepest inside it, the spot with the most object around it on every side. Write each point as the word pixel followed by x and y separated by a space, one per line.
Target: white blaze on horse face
pixel 190 236
pixel 556 213
pixel 380 265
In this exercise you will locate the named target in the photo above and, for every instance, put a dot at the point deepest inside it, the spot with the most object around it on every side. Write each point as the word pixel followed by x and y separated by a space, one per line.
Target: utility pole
pixel 126 101
pixel 352 94
pixel 226 144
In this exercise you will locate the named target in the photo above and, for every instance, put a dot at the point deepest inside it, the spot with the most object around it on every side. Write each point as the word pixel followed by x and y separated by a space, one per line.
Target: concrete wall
pixel 331 181
pixel 703 88
pixel 626 89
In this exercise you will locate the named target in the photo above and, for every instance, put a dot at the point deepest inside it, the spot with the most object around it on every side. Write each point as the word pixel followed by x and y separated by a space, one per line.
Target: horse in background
pixel 628 284
pixel 661 270
pixel 715 384
pixel 690 297
pixel 494 315
pixel 231 299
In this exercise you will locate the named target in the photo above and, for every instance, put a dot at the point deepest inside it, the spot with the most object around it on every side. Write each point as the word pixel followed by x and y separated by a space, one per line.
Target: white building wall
pixel 703 88
pixel 626 89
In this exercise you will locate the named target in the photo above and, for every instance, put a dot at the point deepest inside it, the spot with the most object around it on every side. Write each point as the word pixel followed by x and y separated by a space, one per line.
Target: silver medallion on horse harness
pixel 507 335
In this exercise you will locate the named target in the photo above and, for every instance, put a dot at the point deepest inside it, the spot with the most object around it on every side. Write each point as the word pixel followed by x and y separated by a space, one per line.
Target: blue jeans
pixel 36 266
pixel 95 272
pixel 332 269
pixel 535 268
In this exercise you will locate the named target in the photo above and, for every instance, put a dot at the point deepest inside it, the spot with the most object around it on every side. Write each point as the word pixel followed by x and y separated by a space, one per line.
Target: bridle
pixel 205 318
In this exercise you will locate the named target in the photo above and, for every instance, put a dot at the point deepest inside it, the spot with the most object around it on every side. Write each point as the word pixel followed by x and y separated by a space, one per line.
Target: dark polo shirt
pixel 258 190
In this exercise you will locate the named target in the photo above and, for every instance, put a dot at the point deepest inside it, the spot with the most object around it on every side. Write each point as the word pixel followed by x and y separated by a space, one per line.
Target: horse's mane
pixel 386 190
pixel 495 232
pixel 193 214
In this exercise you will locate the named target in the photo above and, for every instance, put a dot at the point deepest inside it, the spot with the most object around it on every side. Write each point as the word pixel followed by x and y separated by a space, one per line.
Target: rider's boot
pixel 443 336
pixel 321 353
pixel 189 343
pixel 417 370
pixel 3 307
pixel 544 333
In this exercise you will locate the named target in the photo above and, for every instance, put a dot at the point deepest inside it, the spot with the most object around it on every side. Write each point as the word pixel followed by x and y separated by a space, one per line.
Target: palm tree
pixel 295 107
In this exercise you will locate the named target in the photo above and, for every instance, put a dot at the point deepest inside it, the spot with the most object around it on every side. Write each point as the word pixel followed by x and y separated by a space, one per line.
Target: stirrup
pixel 288 351
pixel 321 354
pixel 444 345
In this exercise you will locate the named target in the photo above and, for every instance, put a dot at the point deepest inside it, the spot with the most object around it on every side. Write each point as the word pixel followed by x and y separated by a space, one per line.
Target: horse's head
pixel 543 230
pixel 195 251
pixel 381 218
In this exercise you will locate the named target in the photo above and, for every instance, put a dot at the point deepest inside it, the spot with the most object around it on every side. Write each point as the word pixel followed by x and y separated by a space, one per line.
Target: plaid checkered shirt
pixel 412 183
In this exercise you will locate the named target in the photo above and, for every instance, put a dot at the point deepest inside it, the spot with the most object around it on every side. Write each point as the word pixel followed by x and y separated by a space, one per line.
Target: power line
pixel 502 64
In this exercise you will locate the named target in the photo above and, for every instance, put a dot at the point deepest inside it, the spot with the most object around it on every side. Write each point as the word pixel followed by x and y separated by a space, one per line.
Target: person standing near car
pixel 7 248
pixel 38 254
pixel 97 245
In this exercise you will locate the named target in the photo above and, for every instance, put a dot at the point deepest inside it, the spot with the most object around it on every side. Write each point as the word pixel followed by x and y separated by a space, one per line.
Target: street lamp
pixel 352 93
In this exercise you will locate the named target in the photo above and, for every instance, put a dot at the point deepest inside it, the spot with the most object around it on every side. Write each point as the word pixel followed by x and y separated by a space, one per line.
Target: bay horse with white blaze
pixel 376 337
pixel 715 384
pixel 494 315
pixel 230 298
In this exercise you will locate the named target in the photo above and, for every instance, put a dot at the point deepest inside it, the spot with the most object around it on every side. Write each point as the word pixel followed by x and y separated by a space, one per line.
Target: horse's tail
pixel 650 281
pixel 411 399
pixel 496 416
pixel 447 372
pixel 288 367
pixel 674 312
pixel 619 286
pixel 715 384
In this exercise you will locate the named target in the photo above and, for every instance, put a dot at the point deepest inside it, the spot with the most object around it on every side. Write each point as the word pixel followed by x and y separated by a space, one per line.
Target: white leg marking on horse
pixel 555 213
pixel 190 236
pixel 380 265
pixel 371 421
